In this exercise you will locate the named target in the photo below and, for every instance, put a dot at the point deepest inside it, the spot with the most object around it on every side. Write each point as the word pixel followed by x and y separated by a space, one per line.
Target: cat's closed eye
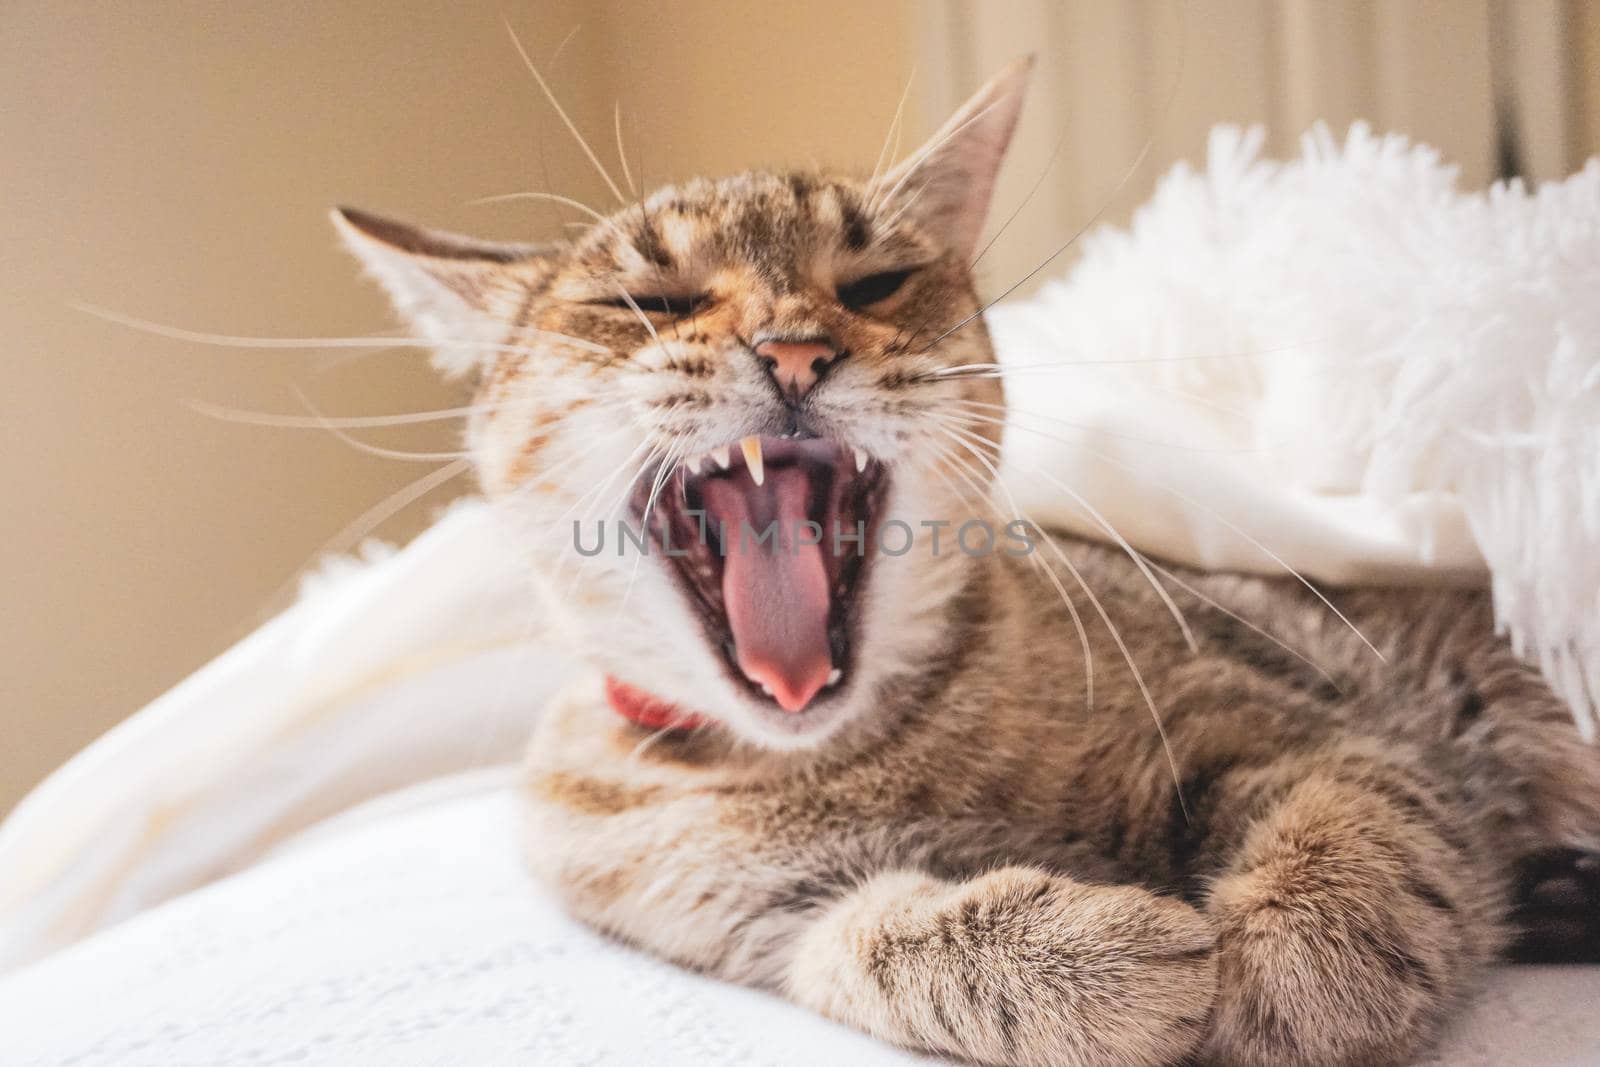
pixel 677 306
pixel 867 291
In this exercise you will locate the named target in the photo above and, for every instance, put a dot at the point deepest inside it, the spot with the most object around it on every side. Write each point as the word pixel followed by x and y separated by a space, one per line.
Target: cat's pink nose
pixel 795 365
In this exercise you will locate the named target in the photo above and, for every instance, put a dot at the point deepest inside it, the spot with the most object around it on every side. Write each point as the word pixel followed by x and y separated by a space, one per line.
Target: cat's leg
pixel 1014 967
pixel 1353 914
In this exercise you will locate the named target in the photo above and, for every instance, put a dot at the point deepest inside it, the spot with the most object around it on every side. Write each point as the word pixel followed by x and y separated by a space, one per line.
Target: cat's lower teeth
pixel 834 676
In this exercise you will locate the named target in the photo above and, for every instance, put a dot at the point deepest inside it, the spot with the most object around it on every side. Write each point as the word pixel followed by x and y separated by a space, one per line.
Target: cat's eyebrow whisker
pixel 1105 524
pixel 622 156
pixel 1106 202
pixel 893 133
pixel 1039 565
pixel 1105 617
pixel 577 205
pixel 925 153
pixel 1049 164
pixel 900 212
pixel 553 198
pixel 572 128
pixel 561 49
pixel 178 333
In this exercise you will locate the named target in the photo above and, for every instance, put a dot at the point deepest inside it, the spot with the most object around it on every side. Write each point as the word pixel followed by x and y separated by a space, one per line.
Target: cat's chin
pixel 765 725
pixel 770 545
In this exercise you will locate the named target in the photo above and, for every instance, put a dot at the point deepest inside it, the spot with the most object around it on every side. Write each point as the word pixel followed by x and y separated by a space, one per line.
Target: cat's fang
pixel 751 447
pixel 834 676
pixel 861 460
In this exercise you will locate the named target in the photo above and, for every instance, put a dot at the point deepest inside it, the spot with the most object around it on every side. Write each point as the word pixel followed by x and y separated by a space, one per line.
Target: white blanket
pixel 408 934
pixel 1340 364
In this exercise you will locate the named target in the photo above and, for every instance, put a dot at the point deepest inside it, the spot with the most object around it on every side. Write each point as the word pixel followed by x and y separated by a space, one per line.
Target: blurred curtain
pixel 1501 87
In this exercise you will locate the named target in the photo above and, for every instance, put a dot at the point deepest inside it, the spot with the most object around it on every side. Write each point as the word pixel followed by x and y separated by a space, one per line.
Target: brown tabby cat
pixel 876 779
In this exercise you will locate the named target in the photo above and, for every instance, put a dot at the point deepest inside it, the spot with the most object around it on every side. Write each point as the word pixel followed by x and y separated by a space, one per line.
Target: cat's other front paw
pixel 1015 967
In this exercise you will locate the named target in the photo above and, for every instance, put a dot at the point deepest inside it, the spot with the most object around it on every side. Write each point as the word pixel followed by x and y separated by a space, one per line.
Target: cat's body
pixel 949 878
pixel 899 795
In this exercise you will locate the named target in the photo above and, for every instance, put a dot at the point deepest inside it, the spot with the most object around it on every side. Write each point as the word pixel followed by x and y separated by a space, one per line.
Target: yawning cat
pixel 857 735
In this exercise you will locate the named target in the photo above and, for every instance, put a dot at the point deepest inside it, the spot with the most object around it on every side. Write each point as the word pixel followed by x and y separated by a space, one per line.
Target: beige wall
pixel 174 161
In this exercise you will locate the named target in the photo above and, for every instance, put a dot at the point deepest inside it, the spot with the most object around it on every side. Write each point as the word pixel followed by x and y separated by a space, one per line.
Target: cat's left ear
pixel 448 288
pixel 953 174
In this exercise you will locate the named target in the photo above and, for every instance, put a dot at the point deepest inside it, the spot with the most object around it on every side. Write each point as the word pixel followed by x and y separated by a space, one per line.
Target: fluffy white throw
pixel 1339 364
pixel 1342 362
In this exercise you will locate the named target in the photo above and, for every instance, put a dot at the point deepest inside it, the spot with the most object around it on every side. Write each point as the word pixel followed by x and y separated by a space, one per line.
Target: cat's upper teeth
pixel 693 463
pixel 861 460
pixel 721 456
pixel 751 447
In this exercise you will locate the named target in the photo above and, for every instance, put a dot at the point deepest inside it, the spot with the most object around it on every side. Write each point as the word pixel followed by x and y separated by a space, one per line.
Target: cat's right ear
pixel 447 287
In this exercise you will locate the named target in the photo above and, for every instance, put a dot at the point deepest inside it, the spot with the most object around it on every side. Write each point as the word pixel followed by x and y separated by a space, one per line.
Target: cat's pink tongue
pixel 776 592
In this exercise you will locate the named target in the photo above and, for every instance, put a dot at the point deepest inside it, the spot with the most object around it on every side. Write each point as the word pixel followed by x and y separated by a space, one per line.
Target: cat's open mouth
pixel 771 540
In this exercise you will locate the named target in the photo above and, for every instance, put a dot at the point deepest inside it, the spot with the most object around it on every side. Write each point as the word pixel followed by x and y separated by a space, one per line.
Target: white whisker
pixel 312 422
pixel 925 153
pixel 1088 430
pixel 1235 616
pixel 1105 524
pixel 605 175
pixel 1216 515
pixel 389 506
pixel 1050 576
pixel 648 325
pixel 178 333
pixel 377 450
pixel 554 198
pixel 622 156
pixel 893 133
pixel 1105 617
pixel 1273 556
pixel 1138 161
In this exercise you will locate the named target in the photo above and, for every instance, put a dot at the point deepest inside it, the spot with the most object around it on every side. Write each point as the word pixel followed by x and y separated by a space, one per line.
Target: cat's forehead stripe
pixel 744 215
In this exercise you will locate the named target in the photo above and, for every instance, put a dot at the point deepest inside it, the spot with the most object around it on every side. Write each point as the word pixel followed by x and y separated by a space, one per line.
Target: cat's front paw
pixel 1015 967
